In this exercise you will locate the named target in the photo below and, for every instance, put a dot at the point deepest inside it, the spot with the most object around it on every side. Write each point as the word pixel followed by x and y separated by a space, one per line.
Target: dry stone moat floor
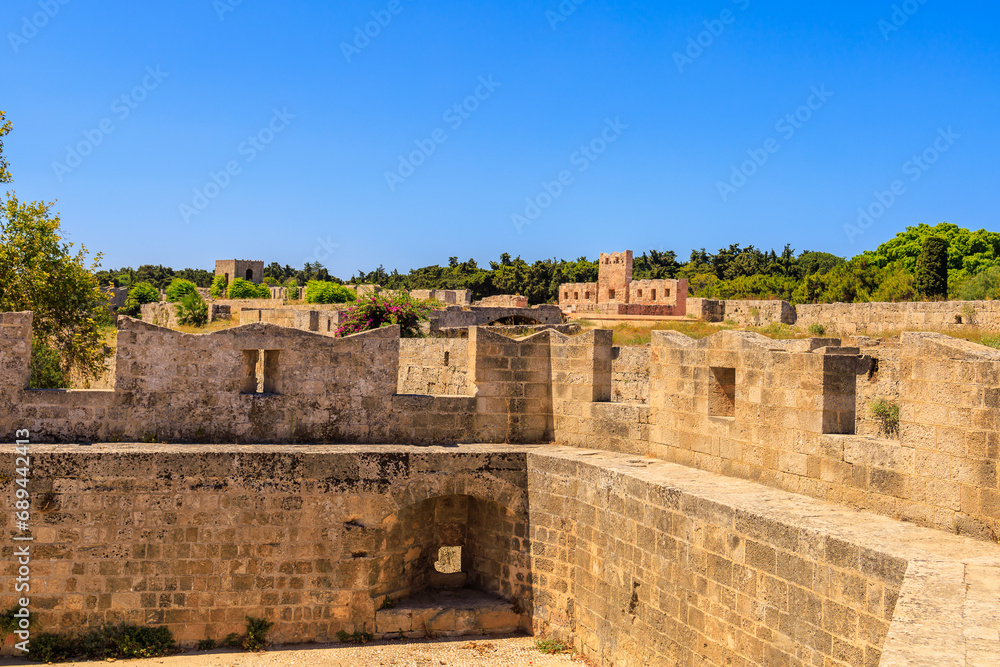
pixel 465 652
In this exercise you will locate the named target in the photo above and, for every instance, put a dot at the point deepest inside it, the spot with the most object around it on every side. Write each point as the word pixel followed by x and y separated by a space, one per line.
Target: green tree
pixel 180 288
pixel 139 294
pixel 219 287
pixel 192 310
pixel 40 272
pixel 318 291
pixel 932 268
pixel 244 289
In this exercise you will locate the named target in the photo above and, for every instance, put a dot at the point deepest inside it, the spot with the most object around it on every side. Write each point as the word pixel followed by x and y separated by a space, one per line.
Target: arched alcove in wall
pixel 451 542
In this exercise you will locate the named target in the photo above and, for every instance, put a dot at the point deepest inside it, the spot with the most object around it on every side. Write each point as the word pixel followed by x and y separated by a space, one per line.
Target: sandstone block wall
pixel 434 366
pixel 455 317
pixel 875 318
pixel 503 301
pixel 783 413
pixel 630 374
pixel 743 313
pixel 449 296
pixel 636 561
pixel 313 539
pixel 881 383
pixel 647 563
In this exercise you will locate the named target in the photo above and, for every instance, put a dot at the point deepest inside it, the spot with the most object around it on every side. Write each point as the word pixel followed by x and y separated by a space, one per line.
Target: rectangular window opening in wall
pixel 653 295
pixel 566 296
pixel 722 392
pixel 666 294
pixel 576 296
pixel 586 295
pixel 260 372
pixel 611 295
pixel 639 294
pixel 449 560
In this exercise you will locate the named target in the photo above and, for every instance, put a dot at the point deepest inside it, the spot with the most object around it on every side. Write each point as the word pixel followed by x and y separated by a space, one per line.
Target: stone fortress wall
pixel 848 319
pixel 716 500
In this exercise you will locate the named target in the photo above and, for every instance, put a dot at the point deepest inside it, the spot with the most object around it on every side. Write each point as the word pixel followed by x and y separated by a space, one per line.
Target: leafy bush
pixel 50 647
pixel 218 288
pixel 180 288
pixel 135 641
pixel 244 289
pixel 107 642
pixel 46 367
pixel 319 291
pixel 257 629
pixel 192 310
pixel 817 330
pixel 377 311
pixel 206 644
pixel 887 414
pixel 139 294
pixel 269 281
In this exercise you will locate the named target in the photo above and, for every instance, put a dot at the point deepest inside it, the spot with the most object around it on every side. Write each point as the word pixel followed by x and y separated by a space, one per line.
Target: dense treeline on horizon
pixel 899 270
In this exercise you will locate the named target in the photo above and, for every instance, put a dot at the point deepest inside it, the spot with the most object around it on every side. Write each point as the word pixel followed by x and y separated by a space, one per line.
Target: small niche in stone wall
pixel 260 372
pixel 449 560
pixel 722 392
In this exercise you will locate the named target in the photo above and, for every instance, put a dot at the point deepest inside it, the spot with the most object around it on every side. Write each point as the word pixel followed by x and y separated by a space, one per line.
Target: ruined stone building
pixel 725 501
pixel 615 293
pixel 247 269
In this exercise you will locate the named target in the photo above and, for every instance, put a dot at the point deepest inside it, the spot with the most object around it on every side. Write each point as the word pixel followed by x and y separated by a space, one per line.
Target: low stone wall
pixel 853 318
pixel 630 374
pixel 435 366
pixel 323 322
pixel 503 301
pixel 742 313
pixel 164 313
pixel 457 317
pixel 875 318
pixel 449 296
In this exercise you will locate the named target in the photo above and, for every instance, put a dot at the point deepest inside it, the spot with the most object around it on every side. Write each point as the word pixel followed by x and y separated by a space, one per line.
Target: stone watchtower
pixel 248 269
pixel 614 276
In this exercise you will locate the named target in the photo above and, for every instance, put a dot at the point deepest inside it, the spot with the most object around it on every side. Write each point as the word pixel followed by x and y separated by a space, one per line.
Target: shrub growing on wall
pixel 192 310
pixel 244 289
pixel 319 291
pixel 139 294
pixel 377 311
pixel 180 288
pixel 219 286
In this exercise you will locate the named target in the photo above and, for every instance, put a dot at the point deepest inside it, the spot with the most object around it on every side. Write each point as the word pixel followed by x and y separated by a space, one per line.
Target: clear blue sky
pixel 682 122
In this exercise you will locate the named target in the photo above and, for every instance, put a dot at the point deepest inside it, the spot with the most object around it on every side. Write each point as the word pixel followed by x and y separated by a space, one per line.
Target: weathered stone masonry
pixel 772 543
